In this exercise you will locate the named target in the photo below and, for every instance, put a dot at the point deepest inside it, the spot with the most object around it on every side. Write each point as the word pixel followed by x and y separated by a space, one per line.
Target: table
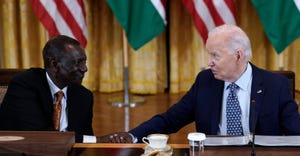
pixel 80 149
pixel 40 143
pixel 43 143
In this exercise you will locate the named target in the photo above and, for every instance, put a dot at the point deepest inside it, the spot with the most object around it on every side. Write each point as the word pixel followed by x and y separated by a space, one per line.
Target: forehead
pixel 218 41
pixel 73 52
pixel 215 43
pixel 221 35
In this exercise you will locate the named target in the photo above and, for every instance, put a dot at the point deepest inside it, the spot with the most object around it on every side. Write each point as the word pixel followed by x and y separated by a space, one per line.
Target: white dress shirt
pixel 244 94
pixel 64 117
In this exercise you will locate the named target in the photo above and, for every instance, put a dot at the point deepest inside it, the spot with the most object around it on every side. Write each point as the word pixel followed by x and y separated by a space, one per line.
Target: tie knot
pixel 59 95
pixel 233 87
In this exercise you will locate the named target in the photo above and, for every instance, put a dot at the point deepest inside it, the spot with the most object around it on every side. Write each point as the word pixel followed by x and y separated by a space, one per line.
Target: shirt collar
pixel 54 88
pixel 244 79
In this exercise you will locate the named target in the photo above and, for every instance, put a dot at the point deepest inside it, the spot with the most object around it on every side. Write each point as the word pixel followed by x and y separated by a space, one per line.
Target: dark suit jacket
pixel 28 105
pixel 275 110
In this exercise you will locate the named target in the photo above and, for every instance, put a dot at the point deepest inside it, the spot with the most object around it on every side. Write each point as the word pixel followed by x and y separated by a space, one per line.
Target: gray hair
pixel 236 39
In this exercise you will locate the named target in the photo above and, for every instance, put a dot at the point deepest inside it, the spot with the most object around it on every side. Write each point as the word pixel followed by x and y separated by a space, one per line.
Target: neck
pixel 54 79
pixel 240 71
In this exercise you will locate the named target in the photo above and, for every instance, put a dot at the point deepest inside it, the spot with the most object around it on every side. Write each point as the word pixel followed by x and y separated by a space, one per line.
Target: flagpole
pixel 126 83
pixel 280 60
pixel 126 101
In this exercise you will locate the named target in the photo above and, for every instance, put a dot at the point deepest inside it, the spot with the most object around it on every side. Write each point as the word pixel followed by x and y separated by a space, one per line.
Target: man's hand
pixel 118 137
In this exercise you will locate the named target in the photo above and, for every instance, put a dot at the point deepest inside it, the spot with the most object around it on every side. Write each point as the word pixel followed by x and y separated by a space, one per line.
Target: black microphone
pixel 253 153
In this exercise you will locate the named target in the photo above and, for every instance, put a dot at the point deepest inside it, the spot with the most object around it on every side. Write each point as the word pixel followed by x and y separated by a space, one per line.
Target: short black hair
pixel 55 48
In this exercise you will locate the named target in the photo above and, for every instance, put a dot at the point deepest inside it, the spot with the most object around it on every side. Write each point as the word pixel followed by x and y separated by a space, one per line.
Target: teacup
pixel 156 141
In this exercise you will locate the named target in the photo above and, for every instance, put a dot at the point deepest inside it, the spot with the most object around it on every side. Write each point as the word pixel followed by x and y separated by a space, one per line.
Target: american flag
pixel 208 14
pixel 62 17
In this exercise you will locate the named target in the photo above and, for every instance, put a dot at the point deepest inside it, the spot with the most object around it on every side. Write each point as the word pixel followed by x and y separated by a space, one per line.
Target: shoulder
pixel 268 78
pixel 206 76
pixel 205 79
pixel 78 94
pixel 267 74
pixel 79 90
pixel 31 75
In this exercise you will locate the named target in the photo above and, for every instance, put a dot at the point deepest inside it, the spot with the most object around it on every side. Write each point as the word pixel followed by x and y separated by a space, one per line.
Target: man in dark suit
pixel 206 102
pixel 28 103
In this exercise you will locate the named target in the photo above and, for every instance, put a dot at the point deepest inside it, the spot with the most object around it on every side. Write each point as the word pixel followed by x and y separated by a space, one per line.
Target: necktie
pixel 233 112
pixel 57 110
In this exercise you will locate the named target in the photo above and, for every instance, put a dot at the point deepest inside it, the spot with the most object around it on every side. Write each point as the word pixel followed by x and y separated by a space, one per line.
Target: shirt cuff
pixel 134 139
pixel 89 139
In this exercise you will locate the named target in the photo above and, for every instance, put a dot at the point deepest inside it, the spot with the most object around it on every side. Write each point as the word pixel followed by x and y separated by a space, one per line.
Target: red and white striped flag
pixel 208 14
pixel 62 17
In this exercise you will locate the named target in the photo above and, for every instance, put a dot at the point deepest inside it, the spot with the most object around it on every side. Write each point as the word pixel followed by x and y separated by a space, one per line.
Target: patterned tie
pixel 57 110
pixel 233 112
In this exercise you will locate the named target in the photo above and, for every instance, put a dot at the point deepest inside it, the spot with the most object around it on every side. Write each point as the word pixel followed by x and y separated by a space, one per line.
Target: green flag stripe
pixel 140 20
pixel 281 21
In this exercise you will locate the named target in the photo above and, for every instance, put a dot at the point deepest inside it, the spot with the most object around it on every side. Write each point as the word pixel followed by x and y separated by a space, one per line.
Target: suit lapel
pixel 47 100
pixel 215 106
pixel 72 106
pixel 257 92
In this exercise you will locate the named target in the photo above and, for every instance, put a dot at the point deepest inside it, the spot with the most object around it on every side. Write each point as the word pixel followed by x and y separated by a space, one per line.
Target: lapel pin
pixel 259 91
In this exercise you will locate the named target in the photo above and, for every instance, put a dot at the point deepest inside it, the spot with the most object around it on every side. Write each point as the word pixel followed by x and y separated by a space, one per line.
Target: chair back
pixel 290 75
pixel 6 74
pixel 2 93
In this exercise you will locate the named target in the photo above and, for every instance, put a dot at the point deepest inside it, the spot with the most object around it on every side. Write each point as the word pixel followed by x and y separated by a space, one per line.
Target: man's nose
pixel 210 63
pixel 83 68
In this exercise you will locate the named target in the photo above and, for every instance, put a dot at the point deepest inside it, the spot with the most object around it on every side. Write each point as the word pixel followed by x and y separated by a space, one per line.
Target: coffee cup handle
pixel 145 140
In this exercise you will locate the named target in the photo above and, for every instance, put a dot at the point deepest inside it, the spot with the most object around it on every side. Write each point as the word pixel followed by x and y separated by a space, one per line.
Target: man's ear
pixel 54 64
pixel 240 55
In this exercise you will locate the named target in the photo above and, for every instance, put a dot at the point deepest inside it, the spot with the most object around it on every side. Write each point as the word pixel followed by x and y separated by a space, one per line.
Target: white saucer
pixel 168 149
pixel 11 138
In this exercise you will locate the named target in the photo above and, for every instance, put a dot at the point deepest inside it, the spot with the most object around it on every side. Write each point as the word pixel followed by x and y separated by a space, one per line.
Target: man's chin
pixel 78 82
pixel 217 77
